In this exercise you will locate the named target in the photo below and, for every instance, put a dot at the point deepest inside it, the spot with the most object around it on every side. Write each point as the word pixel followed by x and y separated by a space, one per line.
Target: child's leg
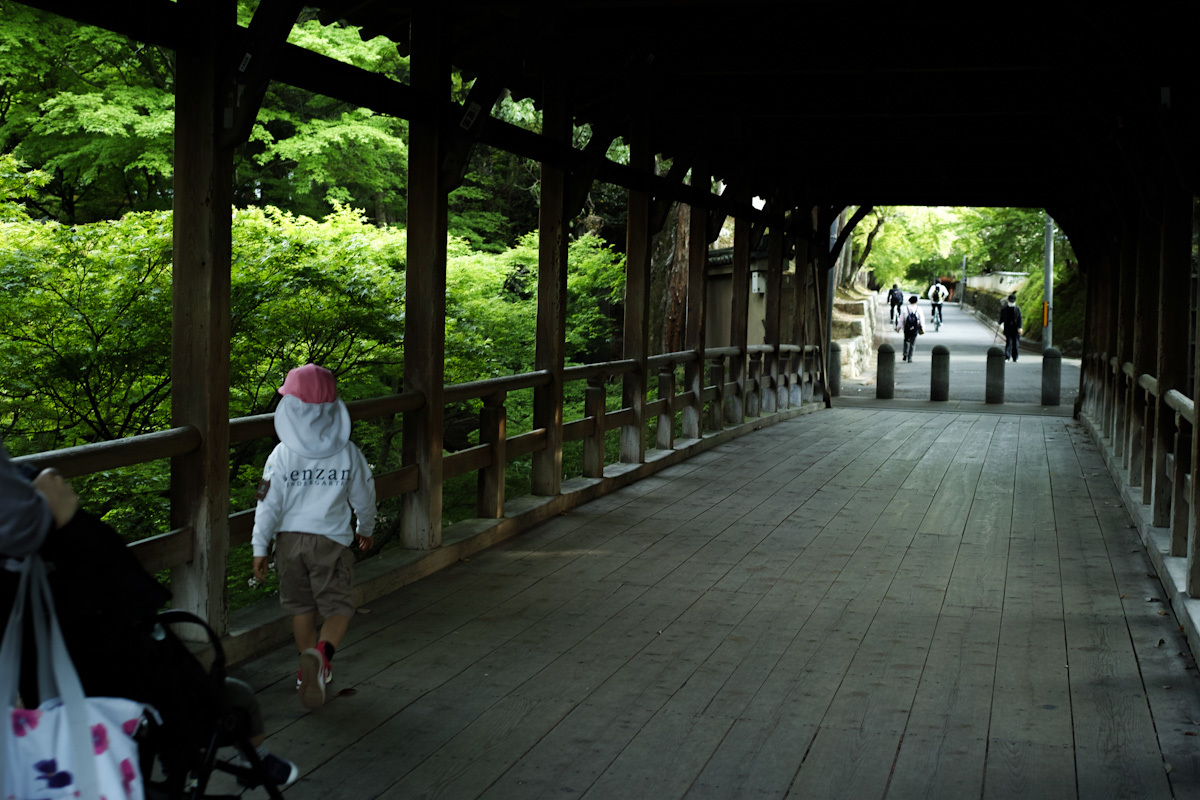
pixel 333 630
pixel 304 629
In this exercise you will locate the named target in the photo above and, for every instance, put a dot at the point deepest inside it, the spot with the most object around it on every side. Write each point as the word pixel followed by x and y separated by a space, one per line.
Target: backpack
pixel 912 324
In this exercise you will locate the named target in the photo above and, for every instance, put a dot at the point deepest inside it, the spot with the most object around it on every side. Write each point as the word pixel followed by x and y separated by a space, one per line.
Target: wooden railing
pixel 783 381
pixel 1158 454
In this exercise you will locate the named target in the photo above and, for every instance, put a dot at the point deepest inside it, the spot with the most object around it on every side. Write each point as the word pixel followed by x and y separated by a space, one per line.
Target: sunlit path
pixel 968 339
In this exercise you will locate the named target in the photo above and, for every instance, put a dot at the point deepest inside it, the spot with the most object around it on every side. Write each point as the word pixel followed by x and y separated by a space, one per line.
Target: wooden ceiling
pixel 1018 103
pixel 1084 108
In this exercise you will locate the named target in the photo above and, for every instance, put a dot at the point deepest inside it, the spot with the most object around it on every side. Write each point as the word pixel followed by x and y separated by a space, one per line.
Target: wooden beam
pixel 697 300
pixel 425 288
pixel 660 207
pixel 249 73
pixel 1174 306
pixel 580 181
pixel 738 318
pixel 464 134
pixel 202 248
pixel 552 291
pixel 636 341
pixel 772 384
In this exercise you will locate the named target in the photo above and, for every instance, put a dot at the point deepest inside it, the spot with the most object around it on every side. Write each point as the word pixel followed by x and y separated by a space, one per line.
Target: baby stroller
pixel 201 713
pixel 122 646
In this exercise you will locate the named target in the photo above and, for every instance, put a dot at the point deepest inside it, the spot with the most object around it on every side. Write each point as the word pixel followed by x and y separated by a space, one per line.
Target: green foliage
pixel 84 334
pixel 17 182
pixel 92 109
pixel 917 245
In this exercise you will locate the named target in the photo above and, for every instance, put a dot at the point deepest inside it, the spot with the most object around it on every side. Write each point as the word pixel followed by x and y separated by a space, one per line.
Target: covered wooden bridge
pixel 783 527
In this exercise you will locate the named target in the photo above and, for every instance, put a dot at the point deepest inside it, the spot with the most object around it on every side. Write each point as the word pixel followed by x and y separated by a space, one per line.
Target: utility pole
pixel 962 296
pixel 1047 303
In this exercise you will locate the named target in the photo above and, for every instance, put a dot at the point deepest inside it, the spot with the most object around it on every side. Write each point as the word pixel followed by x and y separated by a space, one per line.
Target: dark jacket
pixel 1010 316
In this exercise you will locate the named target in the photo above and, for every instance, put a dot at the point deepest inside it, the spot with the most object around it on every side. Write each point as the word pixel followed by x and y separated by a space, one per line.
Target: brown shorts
pixel 315 574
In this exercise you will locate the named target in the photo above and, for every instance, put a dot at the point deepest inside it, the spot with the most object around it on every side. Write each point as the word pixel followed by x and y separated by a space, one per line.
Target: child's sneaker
pixel 314 674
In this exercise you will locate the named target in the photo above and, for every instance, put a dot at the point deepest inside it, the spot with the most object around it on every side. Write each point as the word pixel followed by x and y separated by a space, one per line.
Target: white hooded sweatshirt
pixel 314 477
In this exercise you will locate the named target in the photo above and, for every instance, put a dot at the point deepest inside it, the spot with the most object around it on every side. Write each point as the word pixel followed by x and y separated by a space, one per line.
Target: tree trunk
pixel 677 284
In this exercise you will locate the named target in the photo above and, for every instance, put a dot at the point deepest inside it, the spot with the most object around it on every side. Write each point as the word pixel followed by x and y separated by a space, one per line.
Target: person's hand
pixel 260 567
pixel 365 542
pixel 1020 331
pixel 59 494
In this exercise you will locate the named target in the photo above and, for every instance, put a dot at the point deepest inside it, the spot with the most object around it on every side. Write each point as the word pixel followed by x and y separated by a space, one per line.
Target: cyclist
pixel 937 294
pixel 895 300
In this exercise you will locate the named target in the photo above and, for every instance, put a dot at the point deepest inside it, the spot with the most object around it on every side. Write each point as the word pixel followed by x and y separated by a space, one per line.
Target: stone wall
pixel 854 331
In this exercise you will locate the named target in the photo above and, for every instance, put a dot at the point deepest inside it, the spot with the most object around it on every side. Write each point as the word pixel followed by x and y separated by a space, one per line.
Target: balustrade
pixel 495 449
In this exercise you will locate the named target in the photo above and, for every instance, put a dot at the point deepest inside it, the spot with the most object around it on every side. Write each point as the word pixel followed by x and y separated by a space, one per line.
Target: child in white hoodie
pixel 311 481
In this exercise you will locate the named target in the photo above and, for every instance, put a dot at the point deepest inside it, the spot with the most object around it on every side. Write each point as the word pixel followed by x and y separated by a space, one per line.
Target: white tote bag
pixel 70 746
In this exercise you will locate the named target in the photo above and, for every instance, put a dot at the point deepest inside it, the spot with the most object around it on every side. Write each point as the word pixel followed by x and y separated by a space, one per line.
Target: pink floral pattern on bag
pixel 25 720
pixel 129 726
pixel 128 776
pixel 100 738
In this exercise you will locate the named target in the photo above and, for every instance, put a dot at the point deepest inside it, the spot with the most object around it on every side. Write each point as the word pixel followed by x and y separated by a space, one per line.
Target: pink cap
pixel 310 384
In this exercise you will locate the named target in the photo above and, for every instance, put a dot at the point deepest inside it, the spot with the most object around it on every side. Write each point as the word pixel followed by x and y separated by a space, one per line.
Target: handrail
pixel 722 352
pixel 791 348
pixel 85 459
pixel 1115 363
pixel 759 349
pixel 1149 383
pixel 670 359
pixel 603 369
pixel 473 390
pixel 1127 368
pixel 1181 404
pixel 260 426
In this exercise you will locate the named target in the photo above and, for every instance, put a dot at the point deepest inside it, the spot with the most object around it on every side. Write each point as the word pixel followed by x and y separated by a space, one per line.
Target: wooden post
pixel 801 275
pixel 202 247
pixel 425 285
pixel 666 417
pixel 771 401
pixel 593 444
pixel 552 291
pixel 1147 445
pixel 493 431
pixel 697 298
pixel 1145 342
pixel 738 318
pixel 754 395
pixel 1174 304
pixel 637 297
pixel 1123 351
pixel 1181 505
pixel 716 413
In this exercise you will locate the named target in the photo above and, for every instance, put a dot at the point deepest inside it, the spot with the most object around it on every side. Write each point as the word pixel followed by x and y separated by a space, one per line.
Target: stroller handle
pixel 179 617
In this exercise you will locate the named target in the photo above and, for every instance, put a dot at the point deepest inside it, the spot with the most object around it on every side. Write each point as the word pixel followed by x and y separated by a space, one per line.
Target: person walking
pixel 912 323
pixel 1010 324
pixel 937 295
pixel 312 481
pixel 895 300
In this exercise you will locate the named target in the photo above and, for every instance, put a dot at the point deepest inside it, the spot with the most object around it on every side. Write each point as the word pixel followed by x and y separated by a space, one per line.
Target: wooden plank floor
pixel 859 603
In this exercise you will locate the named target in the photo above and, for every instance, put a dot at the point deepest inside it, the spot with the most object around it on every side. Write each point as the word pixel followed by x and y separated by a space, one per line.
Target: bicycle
pixel 936 316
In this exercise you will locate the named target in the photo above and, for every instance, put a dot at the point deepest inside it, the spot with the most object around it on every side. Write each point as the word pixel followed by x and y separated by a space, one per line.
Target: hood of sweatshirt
pixel 314 430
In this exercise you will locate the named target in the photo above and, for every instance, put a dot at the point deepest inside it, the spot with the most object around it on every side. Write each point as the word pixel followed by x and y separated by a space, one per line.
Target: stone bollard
pixel 994 392
pixel 939 378
pixel 835 369
pixel 885 373
pixel 1051 376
